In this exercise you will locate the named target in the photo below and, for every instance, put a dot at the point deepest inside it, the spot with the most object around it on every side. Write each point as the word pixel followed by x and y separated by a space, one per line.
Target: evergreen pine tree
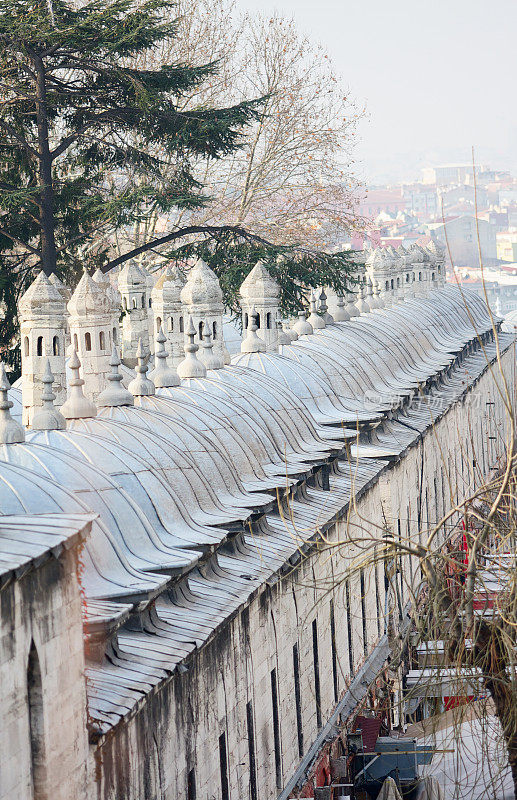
pixel 82 133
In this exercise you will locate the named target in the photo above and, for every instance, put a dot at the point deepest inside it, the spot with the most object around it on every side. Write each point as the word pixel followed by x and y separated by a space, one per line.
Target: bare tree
pixel 293 178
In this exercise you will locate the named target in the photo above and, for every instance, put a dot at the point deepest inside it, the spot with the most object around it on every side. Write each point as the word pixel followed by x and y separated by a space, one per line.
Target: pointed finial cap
pixel 210 359
pixel 252 343
pixel 163 376
pixel 48 418
pixel 314 318
pixel 191 366
pixel 77 406
pixel 114 394
pixel 141 386
pixel 11 432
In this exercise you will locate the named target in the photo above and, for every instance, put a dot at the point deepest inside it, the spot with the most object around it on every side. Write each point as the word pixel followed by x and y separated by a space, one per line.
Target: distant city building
pixel 507 245
pixel 447 173
pixel 382 199
pixel 421 200
pixel 464 193
pixel 460 233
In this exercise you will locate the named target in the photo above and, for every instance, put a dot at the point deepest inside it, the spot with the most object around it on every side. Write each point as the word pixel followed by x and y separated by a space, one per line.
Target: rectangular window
pixel 334 652
pixel 349 628
pixel 223 765
pixel 276 729
pixel 191 785
pixel 317 689
pixel 298 699
pixel 251 750
pixel 363 612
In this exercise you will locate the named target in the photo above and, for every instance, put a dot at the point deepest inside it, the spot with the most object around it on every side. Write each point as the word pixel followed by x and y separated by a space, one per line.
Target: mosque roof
pixel 181 482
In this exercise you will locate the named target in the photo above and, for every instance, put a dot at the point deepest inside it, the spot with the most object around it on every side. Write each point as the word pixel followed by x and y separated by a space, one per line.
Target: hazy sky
pixel 437 77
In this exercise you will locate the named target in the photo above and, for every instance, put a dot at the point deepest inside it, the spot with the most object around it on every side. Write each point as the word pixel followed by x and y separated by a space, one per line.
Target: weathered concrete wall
pixel 41 613
pixel 179 728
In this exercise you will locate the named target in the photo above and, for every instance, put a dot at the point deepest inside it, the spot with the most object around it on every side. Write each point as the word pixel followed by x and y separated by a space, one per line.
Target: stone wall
pixel 42 685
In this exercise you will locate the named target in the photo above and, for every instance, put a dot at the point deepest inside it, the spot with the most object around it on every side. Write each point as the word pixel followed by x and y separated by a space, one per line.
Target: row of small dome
pixel 391 257
pixel 97 293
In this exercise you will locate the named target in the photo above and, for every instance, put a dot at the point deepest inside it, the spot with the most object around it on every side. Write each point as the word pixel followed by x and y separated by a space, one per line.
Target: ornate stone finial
pixel 141 386
pixel 378 296
pixel 77 405
pixel 282 337
pixel 324 309
pixel 48 418
pixel 351 306
pixel 162 375
pixel 210 359
pixel 370 297
pixel 361 304
pixel 302 326
pixel 114 394
pixel 314 319
pixel 252 343
pixel 293 335
pixel 191 366
pixel 11 432
pixel 341 314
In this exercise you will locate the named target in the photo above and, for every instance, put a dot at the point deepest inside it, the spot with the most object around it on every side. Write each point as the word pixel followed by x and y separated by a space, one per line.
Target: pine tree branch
pixel 24 143
pixel 211 230
pixel 21 243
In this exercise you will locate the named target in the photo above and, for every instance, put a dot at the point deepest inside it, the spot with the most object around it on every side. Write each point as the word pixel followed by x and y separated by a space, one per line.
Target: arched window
pixel 387 285
pixel 268 319
pixel 125 303
pixel 171 323
pixel 419 276
pixel 114 336
pixel 214 329
pixel 76 343
pixel 150 302
pixel 134 302
pixel 398 282
pixel 158 324
pixel 36 727
pixel 392 283
pixel 55 346
pixel 407 277
pixel 88 341
pixel 257 319
pixel 39 346
pixel 439 270
pixel 245 322
pixel 143 301
pixel 181 324
pixel 200 328
pixel 432 276
pixel 102 343
pixel 26 346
